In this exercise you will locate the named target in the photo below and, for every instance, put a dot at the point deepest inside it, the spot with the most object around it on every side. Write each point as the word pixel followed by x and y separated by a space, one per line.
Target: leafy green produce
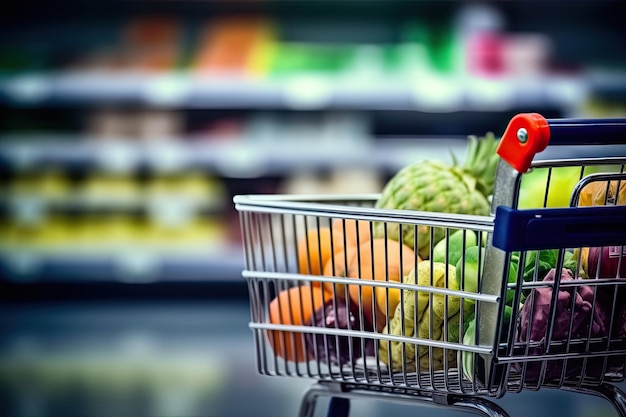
pixel 544 261
pixel 454 245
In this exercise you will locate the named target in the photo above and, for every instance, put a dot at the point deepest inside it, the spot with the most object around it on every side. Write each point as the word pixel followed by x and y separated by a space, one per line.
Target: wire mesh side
pixel 337 297
pixel 568 327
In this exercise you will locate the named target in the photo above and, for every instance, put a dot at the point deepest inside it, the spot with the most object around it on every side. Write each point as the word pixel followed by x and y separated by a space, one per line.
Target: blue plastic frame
pixel 553 228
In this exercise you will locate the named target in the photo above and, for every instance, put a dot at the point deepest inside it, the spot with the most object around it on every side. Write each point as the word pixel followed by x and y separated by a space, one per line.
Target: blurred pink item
pixel 485 53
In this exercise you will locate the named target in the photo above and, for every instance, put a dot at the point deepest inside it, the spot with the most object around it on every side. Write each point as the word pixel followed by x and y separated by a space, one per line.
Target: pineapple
pixel 437 187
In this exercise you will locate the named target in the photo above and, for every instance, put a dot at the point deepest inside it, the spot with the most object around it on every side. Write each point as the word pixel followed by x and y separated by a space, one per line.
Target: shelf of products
pixel 122 147
pixel 250 159
pixel 467 60
pixel 427 92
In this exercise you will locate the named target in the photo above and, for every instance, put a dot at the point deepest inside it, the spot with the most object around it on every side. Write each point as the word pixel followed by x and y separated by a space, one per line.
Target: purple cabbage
pixel 578 316
pixel 332 349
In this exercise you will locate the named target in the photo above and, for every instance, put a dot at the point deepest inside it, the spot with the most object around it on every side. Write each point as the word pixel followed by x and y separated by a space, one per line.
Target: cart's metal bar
pixel 600 177
pixel 469 404
pixel 264 199
pixel 373 283
pixel 559 356
pixel 466 221
pixel 330 331
pixel 578 162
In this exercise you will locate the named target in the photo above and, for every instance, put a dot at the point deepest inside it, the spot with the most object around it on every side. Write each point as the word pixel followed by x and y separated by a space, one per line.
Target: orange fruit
pixel 294 306
pixel 337 267
pixel 381 260
pixel 356 233
pixel 314 250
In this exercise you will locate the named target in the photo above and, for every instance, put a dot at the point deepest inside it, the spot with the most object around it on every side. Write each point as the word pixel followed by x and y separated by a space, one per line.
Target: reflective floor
pixel 176 359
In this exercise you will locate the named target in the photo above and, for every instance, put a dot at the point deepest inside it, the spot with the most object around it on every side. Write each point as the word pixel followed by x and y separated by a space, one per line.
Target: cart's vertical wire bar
pixel 573 312
pixel 334 306
pixel 302 336
pixel 265 300
pixel 462 305
pixel 272 243
pixel 256 310
pixel 431 312
pixel 283 230
pixel 445 302
pixel 530 300
pixel 294 219
pixel 284 285
pixel 276 337
pixel 403 346
pixel 346 296
pixel 346 272
pixel 446 310
pixel 371 298
pixel 462 317
pixel 271 259
pixel 375 342
pixel 388 314
pixel 613 200
pixel 359 291
pixel 254 283
pixel 547 189
pixel 416 303
pixel 475 355
pixel 333 302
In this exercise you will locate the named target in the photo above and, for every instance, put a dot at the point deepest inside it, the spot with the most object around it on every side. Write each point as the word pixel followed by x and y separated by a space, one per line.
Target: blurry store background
pixel 127 127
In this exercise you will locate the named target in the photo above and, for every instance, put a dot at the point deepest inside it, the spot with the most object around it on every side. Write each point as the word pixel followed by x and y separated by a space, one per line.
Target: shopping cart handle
pixel 530 133
pixel 554 228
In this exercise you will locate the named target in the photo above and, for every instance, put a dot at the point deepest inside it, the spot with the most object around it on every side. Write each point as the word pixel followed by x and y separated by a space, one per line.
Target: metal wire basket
pixel 521 299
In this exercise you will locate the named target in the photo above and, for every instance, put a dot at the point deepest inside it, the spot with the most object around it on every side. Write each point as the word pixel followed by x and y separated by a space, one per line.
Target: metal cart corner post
pixel 501 358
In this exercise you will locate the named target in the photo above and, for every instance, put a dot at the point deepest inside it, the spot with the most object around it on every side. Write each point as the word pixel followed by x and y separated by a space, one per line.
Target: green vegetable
pixel 454 246
pixel 469 339
pixel 543 261
pixel 467 277
pixel 468 270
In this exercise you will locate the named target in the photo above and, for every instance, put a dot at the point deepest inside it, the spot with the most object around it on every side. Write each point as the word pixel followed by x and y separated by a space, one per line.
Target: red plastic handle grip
pixel 526 135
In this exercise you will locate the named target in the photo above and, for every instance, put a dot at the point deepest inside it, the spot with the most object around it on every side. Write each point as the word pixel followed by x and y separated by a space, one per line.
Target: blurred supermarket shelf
pixel 427 92
pixel 235 159
pixel 134 265
pixel 245 159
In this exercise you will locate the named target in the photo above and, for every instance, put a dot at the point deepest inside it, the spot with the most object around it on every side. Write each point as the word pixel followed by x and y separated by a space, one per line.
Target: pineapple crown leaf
pixel 481 161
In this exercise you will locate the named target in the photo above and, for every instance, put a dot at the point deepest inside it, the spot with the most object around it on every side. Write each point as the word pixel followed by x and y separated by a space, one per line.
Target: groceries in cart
pixel 414 282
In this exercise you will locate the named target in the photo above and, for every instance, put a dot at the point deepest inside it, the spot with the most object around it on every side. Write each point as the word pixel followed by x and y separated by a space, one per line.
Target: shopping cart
pixel 540 303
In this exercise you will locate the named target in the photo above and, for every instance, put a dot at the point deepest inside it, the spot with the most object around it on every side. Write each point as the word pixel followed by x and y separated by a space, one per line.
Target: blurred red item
pixel 152 43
